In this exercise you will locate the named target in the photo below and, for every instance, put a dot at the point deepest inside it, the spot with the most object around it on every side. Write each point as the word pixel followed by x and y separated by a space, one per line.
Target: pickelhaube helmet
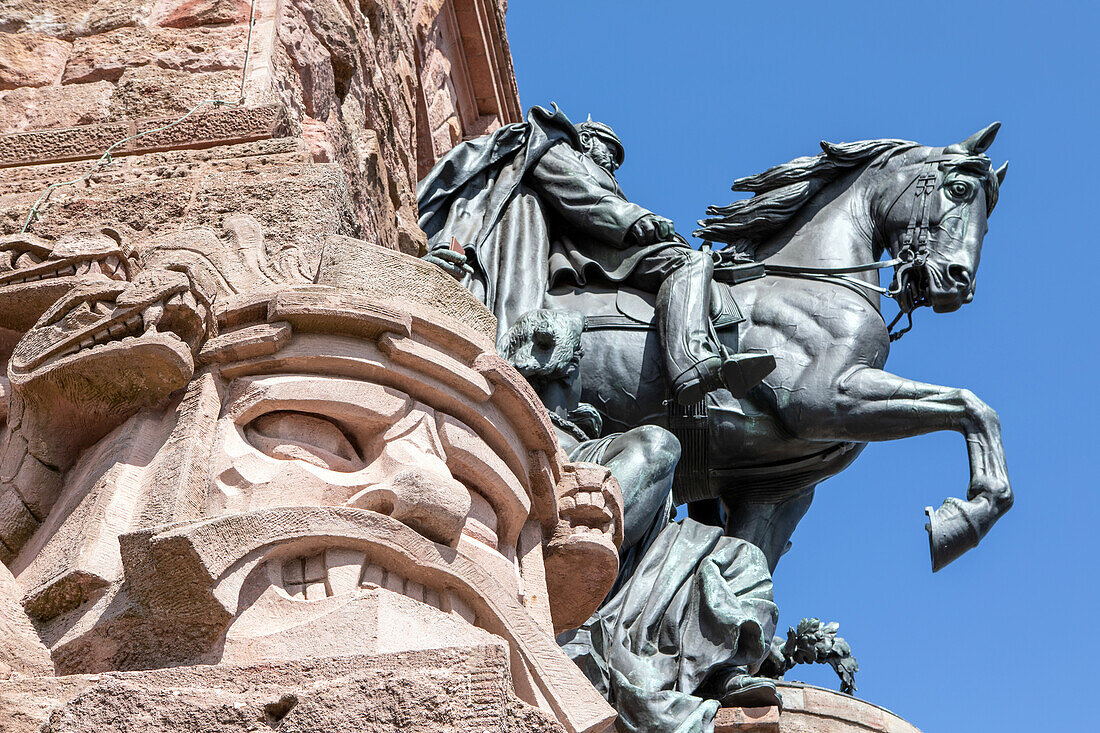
pixel 605 133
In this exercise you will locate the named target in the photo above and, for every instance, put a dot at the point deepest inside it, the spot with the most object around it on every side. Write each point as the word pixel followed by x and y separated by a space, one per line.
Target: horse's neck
pixel 833 231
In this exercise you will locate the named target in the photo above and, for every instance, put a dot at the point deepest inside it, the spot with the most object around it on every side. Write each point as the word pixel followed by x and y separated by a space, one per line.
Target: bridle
pixel 908 288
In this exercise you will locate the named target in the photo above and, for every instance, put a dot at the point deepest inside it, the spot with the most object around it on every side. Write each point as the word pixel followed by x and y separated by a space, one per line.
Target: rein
pixel 909 264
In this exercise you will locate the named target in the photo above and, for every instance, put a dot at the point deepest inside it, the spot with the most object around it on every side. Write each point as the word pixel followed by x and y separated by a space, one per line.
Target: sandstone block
pixel 159 166
pixel 214 126
pixel 383 274
pixel 331 23
pixel 189 13
pixel 807 708
pixel 747 720
pixel 294 204
pixel 107 55
pixel 21 650
pixel 441 691
pixel 140 206
pixel 149 91
pixel 29 108
pixel 72 143
pixel 31 60
pixel 312 65
pixel 71 18
pixel 208 127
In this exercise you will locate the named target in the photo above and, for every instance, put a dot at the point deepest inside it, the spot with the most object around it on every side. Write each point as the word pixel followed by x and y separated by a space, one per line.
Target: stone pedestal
pixel 809 709
pixel 433 691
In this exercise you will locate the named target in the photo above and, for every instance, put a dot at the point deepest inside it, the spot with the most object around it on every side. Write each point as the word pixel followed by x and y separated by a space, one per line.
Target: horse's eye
pixel 959 189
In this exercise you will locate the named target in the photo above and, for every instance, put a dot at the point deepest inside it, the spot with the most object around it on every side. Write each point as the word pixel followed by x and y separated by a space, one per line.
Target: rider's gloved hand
pixel 454 263
pixel 651 229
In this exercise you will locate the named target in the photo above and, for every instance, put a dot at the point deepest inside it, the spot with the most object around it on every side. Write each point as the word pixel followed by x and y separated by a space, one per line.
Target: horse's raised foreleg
pixel 873 405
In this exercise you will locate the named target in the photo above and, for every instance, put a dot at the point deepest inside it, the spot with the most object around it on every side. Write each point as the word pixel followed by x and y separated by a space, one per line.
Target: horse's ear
pixel 979 142
pixel 1001 172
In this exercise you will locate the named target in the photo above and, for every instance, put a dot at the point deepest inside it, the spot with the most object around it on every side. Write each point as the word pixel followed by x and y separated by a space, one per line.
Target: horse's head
pixel 932 215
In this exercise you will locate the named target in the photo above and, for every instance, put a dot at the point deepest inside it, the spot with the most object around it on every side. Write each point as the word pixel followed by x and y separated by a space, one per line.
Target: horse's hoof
pixel 951 532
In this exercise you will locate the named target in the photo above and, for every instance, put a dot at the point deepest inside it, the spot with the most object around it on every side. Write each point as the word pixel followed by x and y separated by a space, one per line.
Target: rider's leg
pixel 643 460
pixel 695 364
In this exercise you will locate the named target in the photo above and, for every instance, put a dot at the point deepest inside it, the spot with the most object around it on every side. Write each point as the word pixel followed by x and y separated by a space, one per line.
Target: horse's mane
pixel 781 191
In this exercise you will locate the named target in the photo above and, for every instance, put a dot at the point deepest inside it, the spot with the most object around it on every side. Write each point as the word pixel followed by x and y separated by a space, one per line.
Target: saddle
pixel 634 309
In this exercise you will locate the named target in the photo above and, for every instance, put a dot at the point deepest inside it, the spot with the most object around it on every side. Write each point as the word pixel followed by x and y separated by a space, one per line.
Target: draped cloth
pixel 530 209
pixel 689 603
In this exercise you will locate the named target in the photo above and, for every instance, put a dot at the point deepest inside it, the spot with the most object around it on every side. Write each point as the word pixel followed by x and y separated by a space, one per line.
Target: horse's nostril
pixel 960 276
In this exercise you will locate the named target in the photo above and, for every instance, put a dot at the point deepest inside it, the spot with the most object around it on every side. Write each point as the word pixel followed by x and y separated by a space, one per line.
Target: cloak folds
pixel 530 209
pixel 698 604
pixel 689 606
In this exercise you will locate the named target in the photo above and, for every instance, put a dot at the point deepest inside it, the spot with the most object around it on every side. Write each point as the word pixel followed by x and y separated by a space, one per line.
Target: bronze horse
pixel 820 225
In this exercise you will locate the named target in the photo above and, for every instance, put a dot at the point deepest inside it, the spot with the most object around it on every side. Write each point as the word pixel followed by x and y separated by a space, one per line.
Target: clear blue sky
pixel 703 92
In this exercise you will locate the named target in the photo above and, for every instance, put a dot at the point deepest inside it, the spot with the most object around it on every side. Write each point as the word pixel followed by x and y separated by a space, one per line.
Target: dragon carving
pixel 104 340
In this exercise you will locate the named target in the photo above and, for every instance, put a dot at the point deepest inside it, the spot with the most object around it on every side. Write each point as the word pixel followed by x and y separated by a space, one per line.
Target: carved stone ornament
pixel 263 460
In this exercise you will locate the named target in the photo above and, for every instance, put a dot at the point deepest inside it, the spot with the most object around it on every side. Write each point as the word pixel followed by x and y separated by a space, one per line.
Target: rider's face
pixel 600 151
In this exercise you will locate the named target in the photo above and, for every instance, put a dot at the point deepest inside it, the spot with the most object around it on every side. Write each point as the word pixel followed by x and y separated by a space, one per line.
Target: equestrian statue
pixel 762 353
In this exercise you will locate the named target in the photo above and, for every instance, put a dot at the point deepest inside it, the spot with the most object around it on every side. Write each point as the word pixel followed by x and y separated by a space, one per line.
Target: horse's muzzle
pixel 949 289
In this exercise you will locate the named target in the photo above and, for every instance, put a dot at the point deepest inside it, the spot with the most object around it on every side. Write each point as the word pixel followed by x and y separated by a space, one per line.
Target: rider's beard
pixel 601 158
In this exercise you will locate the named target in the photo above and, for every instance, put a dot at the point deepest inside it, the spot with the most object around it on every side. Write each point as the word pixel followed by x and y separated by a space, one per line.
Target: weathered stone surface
pixel 128 514
pixel 809 709
pixel 188 13
pixel 345 261
pixel 300 205
pixel 315 90
pixel 747 720
pixel 212 125
pixel 462 95
pixel 71 18
pixel 29 108
pixel 134 205
pixel 31 60
pixel 583 488
pixel 377 497
pixel 107 55
pixel 151 92
pixel 158 166
pixel 88 141
pixel 455 690
pixel 21 651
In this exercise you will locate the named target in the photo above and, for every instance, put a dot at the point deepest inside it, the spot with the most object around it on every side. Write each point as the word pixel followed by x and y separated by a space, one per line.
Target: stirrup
pixel 697 381
pixel 742 372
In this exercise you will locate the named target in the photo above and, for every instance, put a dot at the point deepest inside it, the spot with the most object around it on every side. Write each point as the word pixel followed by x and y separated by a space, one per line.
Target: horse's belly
pixel 622 376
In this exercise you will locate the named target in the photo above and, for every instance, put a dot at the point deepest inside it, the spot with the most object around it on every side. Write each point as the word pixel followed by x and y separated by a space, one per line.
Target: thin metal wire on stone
pixel 106 159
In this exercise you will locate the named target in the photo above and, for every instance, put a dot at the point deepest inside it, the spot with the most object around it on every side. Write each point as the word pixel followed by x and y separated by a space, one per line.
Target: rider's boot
pixel 734 688
pixel 694 363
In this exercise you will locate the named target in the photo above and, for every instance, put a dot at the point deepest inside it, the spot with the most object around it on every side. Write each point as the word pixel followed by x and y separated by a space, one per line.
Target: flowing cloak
pixel 698 604
pixel 530 210
pixel 689 604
